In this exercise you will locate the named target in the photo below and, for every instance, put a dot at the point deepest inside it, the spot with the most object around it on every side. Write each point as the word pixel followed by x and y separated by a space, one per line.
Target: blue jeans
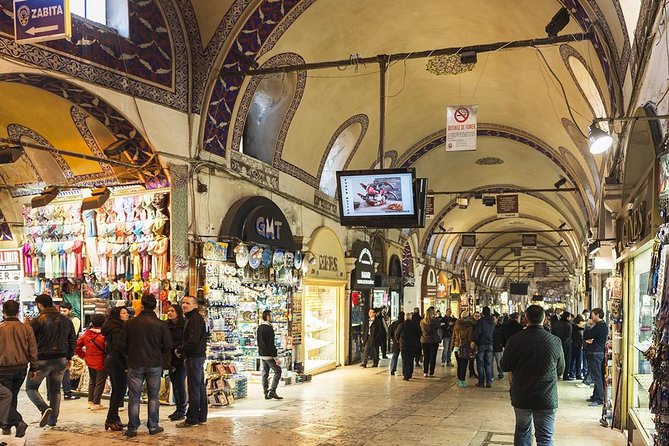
pixel 136 378
pixel 67 384
pixel 393 361
pixel 544 425
pixel 595 361
pixel 498 362
pixel 53 370
pixel 266 365
pixel 484 364
pixel 197 391
pixel 178 379
pixel 446 354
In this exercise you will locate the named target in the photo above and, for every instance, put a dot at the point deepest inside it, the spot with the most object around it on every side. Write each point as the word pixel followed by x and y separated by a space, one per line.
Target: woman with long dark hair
pixel 115 365
pixel 462 337
pixel 175 323
pixel 430 340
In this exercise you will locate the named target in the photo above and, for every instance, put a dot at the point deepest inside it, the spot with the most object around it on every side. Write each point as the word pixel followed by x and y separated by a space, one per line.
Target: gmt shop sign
pixel 363 274
pixel 41 20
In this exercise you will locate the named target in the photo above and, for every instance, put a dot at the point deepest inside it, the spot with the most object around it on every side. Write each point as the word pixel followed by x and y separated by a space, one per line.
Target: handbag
pixel 466 352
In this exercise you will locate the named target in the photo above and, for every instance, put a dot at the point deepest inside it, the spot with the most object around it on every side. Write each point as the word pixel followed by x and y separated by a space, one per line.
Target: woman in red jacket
pixel 91 348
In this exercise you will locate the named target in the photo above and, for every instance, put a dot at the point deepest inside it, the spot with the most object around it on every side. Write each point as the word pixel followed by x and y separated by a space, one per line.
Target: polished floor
pixel 349 406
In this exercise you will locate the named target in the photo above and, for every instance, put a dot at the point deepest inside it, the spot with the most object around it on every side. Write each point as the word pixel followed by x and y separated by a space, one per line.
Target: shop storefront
pixel 634 250
pixel 429 289
pixel 99 251
pixel 11 275
pixel 362 283
pixel 395 286
pixel 253 266
pixel 443 296
pixel 322 298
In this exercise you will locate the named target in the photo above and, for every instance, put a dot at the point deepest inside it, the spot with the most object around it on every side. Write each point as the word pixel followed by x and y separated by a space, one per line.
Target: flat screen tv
pixel 382 198
pixel 519 288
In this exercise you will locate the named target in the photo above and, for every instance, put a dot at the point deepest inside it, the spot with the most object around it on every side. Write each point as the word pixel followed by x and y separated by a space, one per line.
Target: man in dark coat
pixel 482 341
pixel 511 327
pixel 193 350
pixel 269 356
pixel 392 332
pixel 144 339
pixel 408 335
pixel 562 329
pixel 416 317
pixel 535 358
pixel 594 345
pixel 372 339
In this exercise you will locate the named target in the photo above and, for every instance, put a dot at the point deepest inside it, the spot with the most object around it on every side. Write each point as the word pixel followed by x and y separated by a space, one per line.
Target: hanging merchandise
pixel 658 351
pixel 105 257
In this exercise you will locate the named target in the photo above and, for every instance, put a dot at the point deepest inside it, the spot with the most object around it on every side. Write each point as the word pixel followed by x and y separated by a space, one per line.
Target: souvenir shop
pixel 362 284
pixel 320 305
pixel 98 251
pixel 11 275
pixel 429 289
pixel 394 283
pixel 442 296
pixel 636 255
pixel 253 266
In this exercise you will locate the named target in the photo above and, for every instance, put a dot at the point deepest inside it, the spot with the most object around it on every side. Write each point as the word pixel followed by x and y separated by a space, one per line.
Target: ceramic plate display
pixel 255 256
pixel 241 256
pixel 267 257
pixel 298 259
pixel 288 259
pixel 277 260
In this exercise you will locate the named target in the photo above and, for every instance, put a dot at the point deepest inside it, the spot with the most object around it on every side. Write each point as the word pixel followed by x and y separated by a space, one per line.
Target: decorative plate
pixel 288 259
pixel 209 250
pixel 267 257
pixel 298 259
pixel 277 260
pixel 242 256
pixel 255 256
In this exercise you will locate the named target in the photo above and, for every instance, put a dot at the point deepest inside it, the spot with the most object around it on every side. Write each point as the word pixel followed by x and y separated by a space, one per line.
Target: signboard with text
pixel 529 241
pixel 10 266
pixel 507 206
pixel 461 127
pixel 469 240
pixel 41 20
pixel 540 269
pixel 429 206
pixel 499 271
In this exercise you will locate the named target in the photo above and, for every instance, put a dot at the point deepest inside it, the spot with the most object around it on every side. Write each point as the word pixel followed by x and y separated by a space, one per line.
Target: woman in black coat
pixel 577 329
pixel 392 332
pixel 175 323
pixel 115 365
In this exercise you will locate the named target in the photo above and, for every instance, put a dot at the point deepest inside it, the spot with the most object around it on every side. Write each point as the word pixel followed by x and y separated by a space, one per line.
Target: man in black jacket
pixel 511 327
pixel 144 339
pixel 562 329
pixel 535 358
pixel 269 356
pixel 594 345
pixel 408 334
pixel 372 339
pixel 482 340
pixel 193 350
pixel 447 325
pixel 56 340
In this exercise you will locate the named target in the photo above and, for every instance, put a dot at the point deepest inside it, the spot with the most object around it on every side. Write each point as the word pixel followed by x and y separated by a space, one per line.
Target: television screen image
pixel 377 194
pixel 519 288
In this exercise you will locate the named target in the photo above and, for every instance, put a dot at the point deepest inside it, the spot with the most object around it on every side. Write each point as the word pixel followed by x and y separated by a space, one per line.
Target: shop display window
pixel 642 336
pixel 320 326
pixel 380 298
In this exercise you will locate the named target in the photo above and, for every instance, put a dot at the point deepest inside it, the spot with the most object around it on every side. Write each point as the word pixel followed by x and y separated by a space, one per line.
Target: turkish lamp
pixel 598 140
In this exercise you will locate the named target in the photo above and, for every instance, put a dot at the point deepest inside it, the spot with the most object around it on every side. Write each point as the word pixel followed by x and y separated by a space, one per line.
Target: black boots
pixel 271 395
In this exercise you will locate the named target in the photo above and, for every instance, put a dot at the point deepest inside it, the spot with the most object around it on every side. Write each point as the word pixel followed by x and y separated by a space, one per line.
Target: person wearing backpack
pixel 91 348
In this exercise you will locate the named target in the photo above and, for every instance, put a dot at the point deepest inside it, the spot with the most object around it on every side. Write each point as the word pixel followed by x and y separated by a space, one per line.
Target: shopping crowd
pixel 538 347
pixel 130 351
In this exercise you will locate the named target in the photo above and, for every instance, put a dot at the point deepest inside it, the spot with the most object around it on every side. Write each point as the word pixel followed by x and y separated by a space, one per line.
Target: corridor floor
pixel 349 406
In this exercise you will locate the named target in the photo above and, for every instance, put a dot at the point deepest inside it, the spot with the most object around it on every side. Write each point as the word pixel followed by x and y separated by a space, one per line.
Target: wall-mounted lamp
pixel 462 202
pixel 600 141
pixel 10 154
pixel 561 182
pixel 96 200
pixel 557 23
pixel 45 197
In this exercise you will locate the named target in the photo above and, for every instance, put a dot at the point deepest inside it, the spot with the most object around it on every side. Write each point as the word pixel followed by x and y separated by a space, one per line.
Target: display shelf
pixel 644 380
pixel 316 330
pixel 316 344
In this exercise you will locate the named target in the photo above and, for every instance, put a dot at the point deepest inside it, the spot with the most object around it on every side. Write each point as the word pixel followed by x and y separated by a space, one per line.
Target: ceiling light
pixel 468 57
pixel 45 197
pixel 462 202
pixel 96 200
pixel 489 201
pixel 558 22
pixel 598 140
pixel 562 226
pixel 561 182
pixel 441 226
pixel 10 154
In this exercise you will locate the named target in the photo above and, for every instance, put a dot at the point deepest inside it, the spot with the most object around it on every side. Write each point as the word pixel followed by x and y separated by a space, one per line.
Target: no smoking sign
pixel 461 128
pixel 461 114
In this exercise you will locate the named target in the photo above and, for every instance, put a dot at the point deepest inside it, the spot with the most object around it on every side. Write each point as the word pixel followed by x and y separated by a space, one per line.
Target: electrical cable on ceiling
pixel 564 93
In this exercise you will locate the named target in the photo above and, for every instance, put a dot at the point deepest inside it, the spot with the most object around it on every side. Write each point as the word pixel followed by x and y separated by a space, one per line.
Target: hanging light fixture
pixel 598 140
